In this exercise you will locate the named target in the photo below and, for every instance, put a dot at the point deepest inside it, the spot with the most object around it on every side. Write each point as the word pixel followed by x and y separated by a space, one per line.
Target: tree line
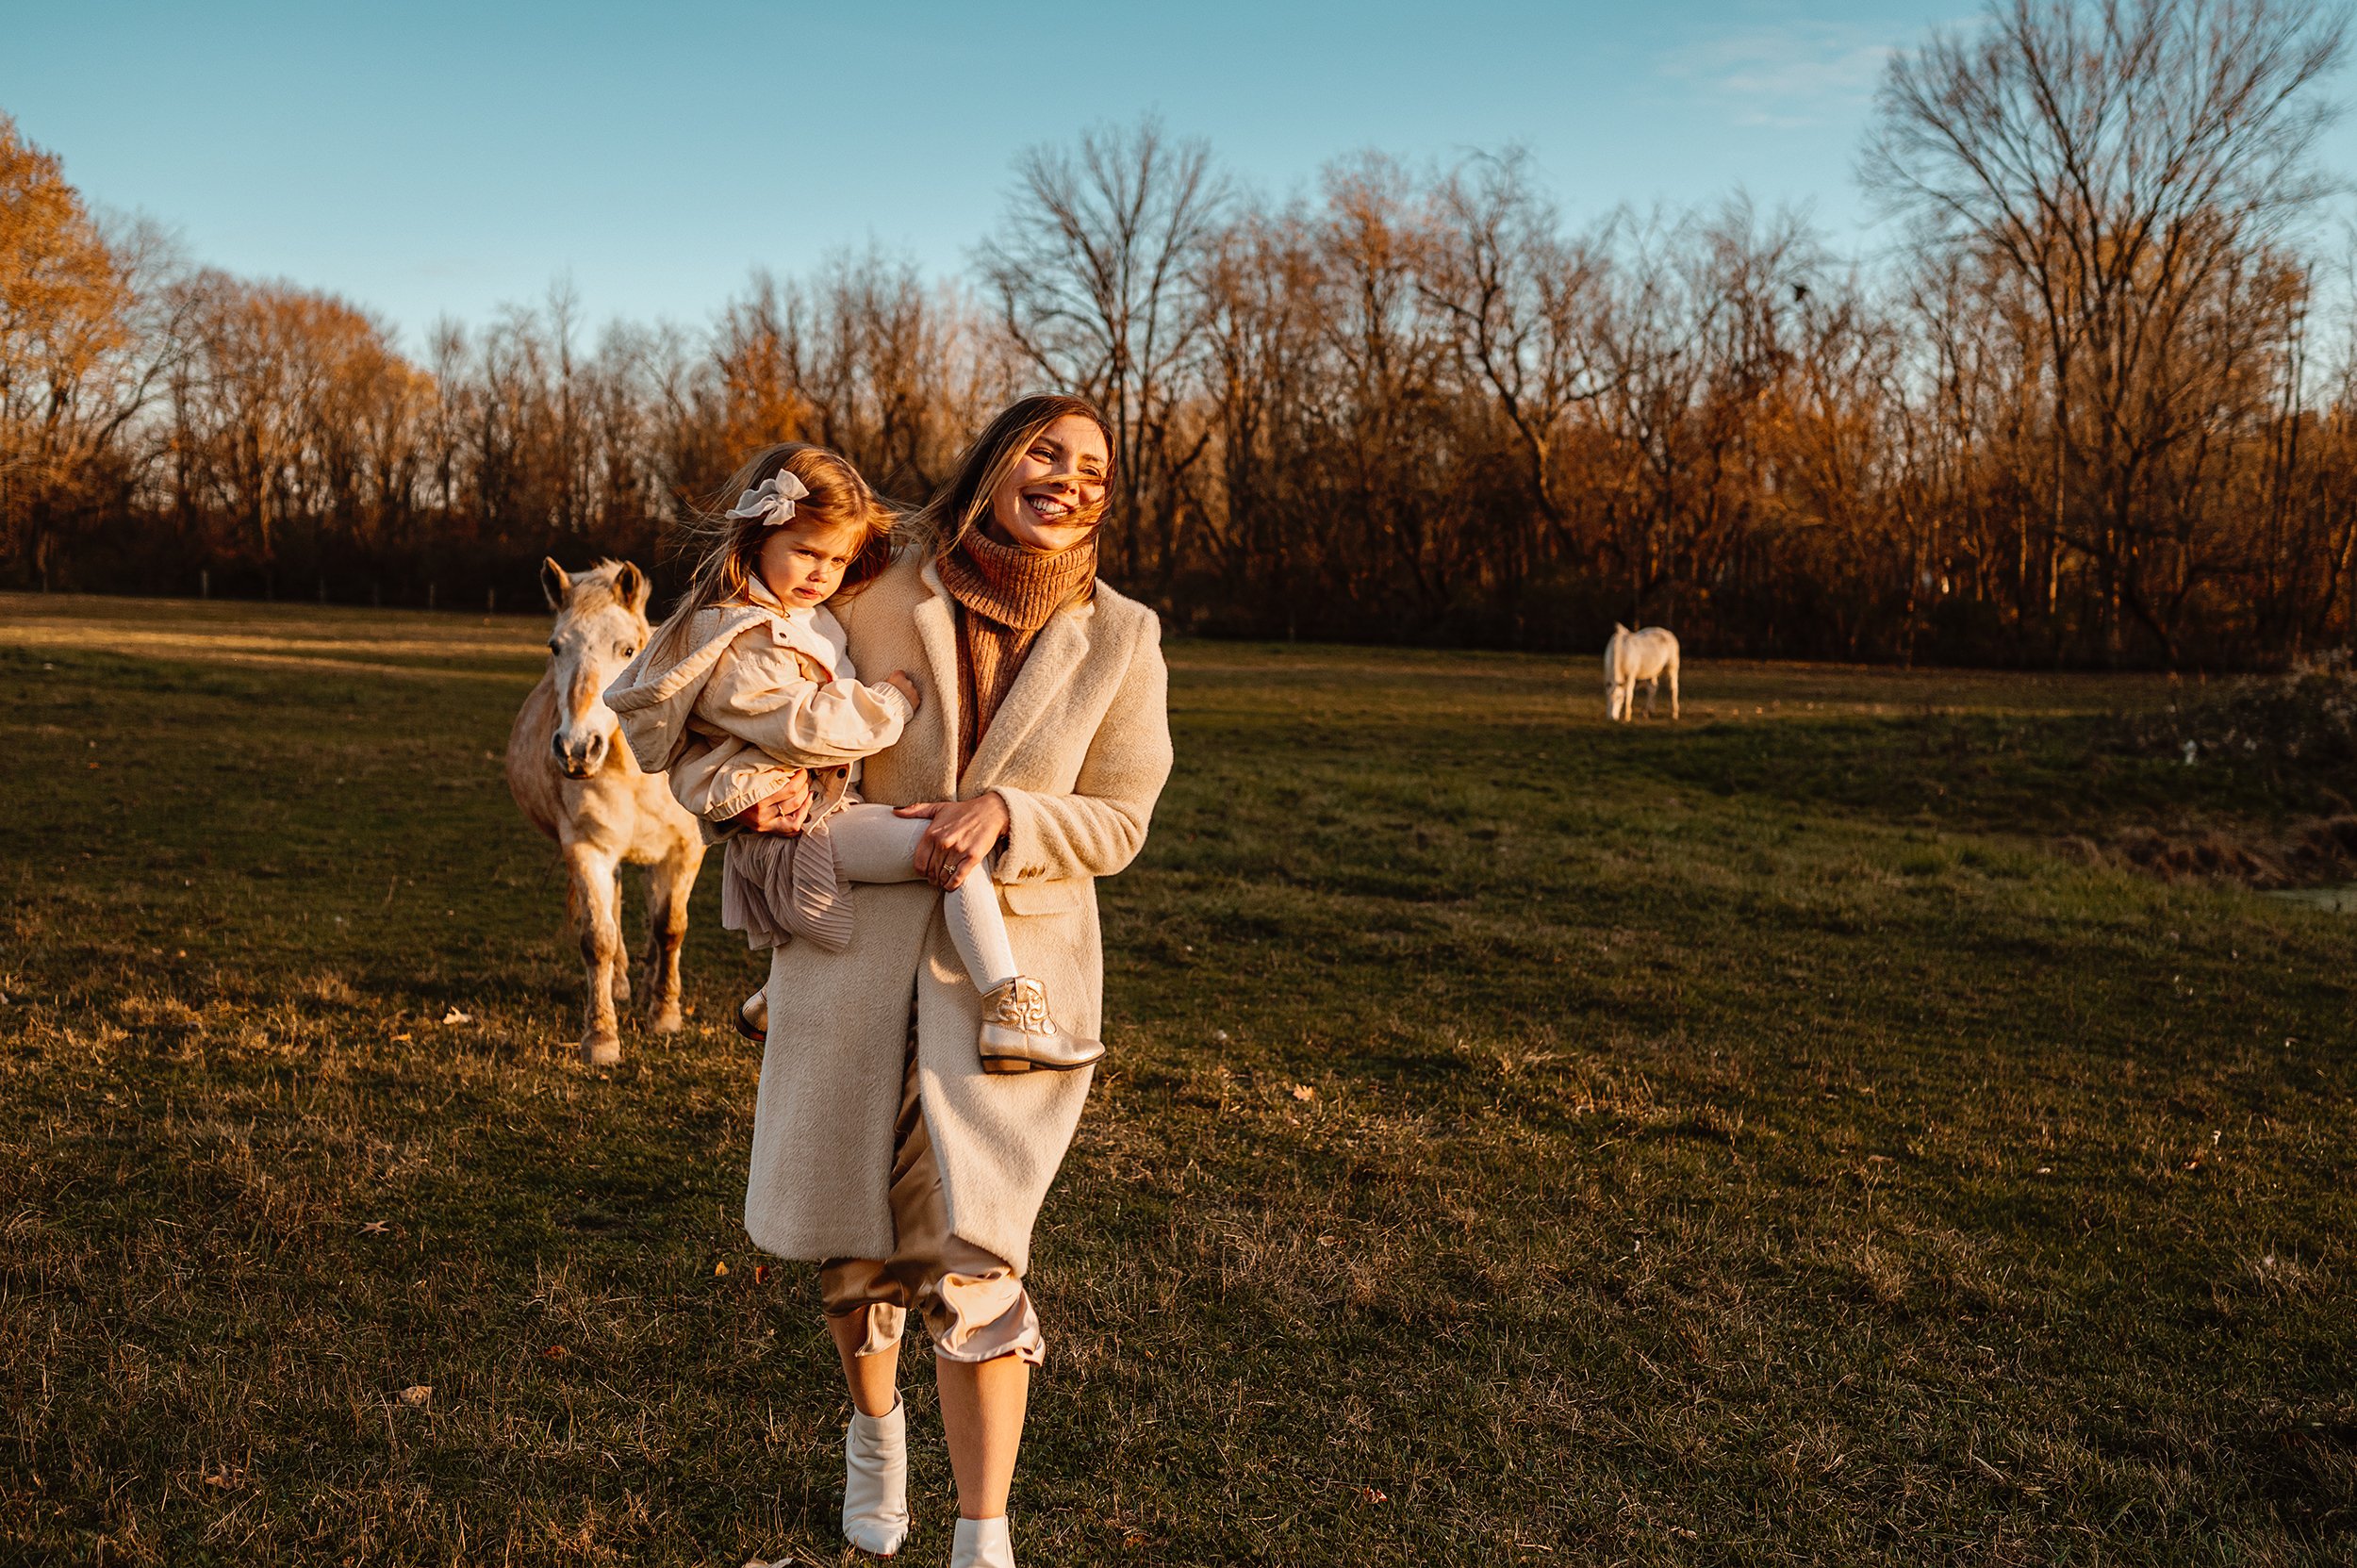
pixel 2100 406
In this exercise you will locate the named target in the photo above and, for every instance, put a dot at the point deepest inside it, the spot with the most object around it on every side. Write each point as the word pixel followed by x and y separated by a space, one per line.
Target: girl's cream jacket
pixel 1077 750
pixel 749 693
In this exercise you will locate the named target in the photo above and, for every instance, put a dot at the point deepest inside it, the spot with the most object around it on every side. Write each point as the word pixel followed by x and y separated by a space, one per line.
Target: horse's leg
pixel 1653 691
pixel 1674 691
pixel 621 961
pixel 593 886
pixel 669 880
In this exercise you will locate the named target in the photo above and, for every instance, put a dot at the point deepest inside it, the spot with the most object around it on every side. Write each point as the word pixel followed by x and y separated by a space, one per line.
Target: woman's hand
pixel 900 681
pixel 782 812
pixel 962 836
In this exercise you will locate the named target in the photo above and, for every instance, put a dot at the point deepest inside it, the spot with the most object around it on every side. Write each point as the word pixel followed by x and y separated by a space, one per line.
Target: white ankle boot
pixel 981 1544
pixel 876 1481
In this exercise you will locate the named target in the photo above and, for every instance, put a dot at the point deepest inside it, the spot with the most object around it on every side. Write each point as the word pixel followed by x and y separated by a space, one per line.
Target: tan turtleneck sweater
pixel 1005 594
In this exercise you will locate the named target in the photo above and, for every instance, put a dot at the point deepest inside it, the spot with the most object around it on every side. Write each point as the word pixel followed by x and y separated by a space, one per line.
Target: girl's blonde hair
pixel 962 504
pixel 731 546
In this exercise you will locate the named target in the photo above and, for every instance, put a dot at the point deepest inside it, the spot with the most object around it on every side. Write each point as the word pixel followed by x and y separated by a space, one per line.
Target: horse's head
pixel 600 623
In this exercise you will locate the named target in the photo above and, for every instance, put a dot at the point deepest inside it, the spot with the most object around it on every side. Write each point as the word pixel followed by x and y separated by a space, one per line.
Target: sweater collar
pixel 1017 587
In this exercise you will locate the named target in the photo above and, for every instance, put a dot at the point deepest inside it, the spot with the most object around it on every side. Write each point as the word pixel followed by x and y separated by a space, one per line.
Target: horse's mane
pixel 594 588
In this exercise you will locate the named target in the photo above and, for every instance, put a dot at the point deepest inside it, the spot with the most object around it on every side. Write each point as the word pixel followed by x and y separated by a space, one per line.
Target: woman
pixel 882 1149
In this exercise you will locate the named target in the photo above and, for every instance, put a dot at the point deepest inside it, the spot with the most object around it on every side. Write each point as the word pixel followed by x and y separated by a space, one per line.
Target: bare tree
pixel 2121 157
pixel 78 352
pixel 1523 301
pixel 1095 268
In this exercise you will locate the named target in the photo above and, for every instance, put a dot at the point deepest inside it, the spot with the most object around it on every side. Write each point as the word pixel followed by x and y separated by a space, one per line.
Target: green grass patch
pixel 1524 1139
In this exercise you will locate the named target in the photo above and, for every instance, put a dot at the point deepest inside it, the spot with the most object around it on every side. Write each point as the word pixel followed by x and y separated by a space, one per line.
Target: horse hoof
pixel 605 1051
pixel 666 1022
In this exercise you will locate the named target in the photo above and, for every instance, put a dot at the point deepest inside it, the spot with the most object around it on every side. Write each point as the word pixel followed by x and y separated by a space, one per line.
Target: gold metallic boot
pixel 1018 1035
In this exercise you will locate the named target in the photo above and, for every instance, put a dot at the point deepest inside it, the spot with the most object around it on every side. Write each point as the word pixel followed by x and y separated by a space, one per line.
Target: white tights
pixel 872 845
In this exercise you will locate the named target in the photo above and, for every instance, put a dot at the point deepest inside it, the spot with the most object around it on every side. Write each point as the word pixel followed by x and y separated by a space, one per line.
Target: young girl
pixel 747 697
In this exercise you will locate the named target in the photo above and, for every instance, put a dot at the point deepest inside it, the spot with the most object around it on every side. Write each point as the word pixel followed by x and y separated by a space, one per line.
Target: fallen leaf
pixel 401 1039
pixel 377 1227
pixel 1303 1091
pixel 761 1274
pixel 719 1269
pixel 454 1016
pixel 556 1353
pixel 1369 1494
pixel 417 1393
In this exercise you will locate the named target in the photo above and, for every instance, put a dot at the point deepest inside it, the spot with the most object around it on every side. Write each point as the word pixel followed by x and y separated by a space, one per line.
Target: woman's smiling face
pixel 1051 498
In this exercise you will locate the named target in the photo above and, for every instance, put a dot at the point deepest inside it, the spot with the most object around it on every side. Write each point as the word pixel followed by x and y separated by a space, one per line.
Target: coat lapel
pixel 937 634
pixel 1040 686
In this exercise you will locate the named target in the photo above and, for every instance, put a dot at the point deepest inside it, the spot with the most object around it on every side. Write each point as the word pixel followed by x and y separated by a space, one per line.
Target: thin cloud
pixel 1801 74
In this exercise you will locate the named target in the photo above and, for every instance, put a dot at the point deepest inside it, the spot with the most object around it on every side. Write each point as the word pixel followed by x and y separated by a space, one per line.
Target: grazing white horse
pixel 577 783
pixel 1632 657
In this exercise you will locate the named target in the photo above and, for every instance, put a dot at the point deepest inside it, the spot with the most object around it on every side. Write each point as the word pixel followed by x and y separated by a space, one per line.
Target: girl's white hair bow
pixel 773 503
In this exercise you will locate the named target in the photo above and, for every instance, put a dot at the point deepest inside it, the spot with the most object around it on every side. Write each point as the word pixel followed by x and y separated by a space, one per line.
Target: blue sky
pixel 424 159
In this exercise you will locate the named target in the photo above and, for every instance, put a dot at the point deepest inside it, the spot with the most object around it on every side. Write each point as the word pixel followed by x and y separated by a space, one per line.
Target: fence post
pixel 491 602
pixel 429 596
pixel 203 583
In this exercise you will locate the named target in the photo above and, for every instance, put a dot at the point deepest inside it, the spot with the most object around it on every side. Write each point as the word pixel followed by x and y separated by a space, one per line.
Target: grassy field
pixel 1524 1140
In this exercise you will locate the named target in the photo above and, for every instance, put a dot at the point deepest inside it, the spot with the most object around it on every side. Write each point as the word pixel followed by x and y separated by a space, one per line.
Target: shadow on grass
pixel 1522 1141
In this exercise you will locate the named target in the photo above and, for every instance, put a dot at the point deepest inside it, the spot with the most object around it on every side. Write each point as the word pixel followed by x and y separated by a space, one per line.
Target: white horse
pixel 577 783
pixel 1632 657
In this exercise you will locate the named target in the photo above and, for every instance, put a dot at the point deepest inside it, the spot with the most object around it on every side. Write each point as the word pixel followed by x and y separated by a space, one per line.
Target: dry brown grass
pixel 1746 1143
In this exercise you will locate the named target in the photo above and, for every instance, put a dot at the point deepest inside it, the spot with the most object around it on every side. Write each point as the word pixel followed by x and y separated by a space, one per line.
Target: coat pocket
pixel 1058 897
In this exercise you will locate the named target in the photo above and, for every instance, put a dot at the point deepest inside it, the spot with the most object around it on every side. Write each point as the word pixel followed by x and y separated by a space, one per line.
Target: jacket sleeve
pixel 1098 827
pixel 716 779
pixel 798 720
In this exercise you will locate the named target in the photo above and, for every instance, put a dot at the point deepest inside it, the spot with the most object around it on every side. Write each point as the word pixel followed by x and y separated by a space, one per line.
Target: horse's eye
pixel 551 645
pixel 624 649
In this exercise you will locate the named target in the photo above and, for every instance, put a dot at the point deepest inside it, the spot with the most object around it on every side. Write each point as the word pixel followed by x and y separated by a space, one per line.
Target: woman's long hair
pixel 962 505
pixel 730 547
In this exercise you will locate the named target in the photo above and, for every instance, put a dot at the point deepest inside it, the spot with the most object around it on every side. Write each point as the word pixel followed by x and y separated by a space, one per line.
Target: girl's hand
pixel 900 681
pixel 962 834
pixel 782 812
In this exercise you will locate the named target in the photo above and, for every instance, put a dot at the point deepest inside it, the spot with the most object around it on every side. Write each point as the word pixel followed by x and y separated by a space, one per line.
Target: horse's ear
pixel 554 584
pixel 1616 625
pixel 631 584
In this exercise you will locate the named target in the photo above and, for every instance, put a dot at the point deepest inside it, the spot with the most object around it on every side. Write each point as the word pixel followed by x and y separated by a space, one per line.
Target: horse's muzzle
pixel 578 755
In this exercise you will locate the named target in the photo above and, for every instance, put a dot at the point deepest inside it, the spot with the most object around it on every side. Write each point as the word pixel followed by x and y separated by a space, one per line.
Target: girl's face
pixel 803 562
pixel 1059 474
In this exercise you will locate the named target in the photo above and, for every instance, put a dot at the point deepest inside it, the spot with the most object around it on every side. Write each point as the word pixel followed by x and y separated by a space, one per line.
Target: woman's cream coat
pixel 1079 751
